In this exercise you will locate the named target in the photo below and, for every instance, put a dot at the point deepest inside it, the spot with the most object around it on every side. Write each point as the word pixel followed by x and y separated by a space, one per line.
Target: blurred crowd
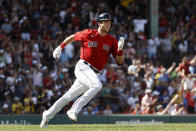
pixel 158 75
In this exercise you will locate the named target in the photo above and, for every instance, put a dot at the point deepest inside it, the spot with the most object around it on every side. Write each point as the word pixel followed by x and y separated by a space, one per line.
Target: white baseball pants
pixel 87 83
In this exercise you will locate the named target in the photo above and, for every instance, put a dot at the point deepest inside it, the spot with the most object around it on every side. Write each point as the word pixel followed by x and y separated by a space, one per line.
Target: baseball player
pixel 97 45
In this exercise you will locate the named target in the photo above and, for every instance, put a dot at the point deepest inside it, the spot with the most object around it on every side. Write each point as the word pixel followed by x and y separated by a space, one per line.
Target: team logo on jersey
pixel 106 47
pixel 92 44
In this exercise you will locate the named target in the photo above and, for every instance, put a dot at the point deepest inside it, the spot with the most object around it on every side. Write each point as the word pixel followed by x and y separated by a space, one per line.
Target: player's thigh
pixel 86 75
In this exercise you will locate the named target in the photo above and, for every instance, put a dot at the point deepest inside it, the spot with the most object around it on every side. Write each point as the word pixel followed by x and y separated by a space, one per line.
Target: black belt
pixel 93 68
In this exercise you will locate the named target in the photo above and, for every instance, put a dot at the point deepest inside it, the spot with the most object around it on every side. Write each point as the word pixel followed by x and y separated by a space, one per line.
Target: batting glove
pixel 57 52
pixel 120 43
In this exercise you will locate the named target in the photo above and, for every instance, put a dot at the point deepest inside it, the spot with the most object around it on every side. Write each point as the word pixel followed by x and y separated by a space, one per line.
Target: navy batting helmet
pixel 104 16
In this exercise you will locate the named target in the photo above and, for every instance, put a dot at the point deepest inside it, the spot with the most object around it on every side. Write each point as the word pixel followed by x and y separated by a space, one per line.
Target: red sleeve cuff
pixel 120 52
pixel 62 45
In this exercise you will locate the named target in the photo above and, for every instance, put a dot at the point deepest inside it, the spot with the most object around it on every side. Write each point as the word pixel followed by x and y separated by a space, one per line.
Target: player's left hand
pixel 120 43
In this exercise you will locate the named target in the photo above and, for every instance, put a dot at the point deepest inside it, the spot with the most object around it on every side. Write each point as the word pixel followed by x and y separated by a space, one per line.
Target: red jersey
pixel 96 49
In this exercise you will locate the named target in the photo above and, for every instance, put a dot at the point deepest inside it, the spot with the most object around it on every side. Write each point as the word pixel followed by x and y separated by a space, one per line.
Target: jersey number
pixel 92 44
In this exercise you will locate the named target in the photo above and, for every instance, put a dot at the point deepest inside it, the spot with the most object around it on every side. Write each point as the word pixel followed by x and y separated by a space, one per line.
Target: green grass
pixel 102 127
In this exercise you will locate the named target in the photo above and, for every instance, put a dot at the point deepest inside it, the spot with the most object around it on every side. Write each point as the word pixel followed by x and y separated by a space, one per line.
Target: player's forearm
pixel 119 59
pixel 120 56
pixel 67 40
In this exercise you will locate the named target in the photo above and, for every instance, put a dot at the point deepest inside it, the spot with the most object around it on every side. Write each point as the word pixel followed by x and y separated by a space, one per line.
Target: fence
pixel 98 119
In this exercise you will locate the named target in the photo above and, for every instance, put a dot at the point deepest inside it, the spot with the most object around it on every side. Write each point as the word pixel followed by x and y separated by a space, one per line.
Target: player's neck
pixel 102 33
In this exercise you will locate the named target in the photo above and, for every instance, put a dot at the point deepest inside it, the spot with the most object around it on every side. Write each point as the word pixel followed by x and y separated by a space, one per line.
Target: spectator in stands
pixel 153 43
pixel 6 26
pixel 17 106
pixel 146 102
pixel 5 109
pixel 107 110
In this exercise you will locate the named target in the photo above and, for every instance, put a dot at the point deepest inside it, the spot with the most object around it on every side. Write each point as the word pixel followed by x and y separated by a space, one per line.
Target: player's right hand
pixel 57 52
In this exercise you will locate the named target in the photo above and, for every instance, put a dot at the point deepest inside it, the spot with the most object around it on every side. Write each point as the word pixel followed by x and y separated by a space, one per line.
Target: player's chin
pixel 107 30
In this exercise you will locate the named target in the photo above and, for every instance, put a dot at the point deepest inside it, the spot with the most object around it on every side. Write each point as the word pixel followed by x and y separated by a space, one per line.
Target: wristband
pixel 62 45
pixel 120 52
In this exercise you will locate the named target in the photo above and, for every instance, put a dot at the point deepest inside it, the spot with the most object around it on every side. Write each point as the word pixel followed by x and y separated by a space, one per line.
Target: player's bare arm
pixel 120 57
pixel 67 40
pixel 57 51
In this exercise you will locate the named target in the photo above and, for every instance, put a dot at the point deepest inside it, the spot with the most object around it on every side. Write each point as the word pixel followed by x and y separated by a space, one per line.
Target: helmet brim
pixel 105 20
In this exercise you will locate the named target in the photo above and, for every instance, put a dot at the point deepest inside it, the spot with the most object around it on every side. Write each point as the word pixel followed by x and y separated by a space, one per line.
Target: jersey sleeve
pixel 82 35
pixel 114 48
